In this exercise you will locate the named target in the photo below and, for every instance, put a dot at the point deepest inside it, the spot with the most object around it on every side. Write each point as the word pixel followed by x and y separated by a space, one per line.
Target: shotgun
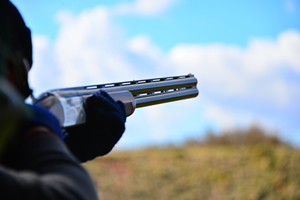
pixel 67 104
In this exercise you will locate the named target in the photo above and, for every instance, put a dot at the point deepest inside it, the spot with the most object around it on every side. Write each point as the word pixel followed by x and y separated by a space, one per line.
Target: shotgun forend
pixel 68 103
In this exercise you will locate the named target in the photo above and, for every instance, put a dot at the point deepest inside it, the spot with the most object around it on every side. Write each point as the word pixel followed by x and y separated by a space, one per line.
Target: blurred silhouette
pixel 34 161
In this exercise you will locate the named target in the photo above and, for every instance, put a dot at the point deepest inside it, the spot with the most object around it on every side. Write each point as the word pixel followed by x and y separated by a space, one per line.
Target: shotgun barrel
pixel 68 103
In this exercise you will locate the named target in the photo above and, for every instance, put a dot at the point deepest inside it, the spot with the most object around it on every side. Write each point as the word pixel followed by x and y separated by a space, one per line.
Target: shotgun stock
pixel 67 104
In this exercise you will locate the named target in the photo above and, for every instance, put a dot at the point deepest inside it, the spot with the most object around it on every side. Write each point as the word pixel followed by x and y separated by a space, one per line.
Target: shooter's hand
pixel 103 129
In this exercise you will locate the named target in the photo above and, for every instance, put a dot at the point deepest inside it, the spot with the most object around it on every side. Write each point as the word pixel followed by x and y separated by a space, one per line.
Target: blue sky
pixel 245 54
pixel 230 22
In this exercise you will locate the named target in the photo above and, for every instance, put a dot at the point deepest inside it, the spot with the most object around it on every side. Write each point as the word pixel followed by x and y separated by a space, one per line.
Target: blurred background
pixel 245 55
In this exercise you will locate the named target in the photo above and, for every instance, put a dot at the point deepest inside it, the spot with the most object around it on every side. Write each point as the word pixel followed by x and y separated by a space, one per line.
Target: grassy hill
pixel 209 170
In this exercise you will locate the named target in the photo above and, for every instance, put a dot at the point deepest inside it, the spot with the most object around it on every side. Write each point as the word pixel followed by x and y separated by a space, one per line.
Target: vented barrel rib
pixel 68 103
pixel 140 88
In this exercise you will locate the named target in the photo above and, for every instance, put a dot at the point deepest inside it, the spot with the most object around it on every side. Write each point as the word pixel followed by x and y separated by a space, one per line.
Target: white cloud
pixel 142 45
pixel 91 49
pixel 228 118
pixel 241 86
pixel 45 70
pixel 253 73
pixel 288 50
pixel 144 7
pixel 225 118
pixel 149 56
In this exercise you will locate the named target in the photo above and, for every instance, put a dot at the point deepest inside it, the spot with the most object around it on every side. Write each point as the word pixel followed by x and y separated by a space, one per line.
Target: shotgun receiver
pixel 67 104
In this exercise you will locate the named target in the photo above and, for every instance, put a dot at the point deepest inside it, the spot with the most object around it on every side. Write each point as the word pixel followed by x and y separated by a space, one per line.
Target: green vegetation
pixel 264 169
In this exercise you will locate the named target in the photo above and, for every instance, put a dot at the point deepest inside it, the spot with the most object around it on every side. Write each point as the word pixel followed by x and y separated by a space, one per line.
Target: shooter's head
pixel 15 48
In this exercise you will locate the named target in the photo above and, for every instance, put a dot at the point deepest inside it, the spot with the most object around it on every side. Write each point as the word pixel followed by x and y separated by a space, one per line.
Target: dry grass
pixel 262 170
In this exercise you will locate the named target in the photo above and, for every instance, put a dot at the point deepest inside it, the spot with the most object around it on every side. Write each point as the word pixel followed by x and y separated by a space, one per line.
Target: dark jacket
pixel 46 170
